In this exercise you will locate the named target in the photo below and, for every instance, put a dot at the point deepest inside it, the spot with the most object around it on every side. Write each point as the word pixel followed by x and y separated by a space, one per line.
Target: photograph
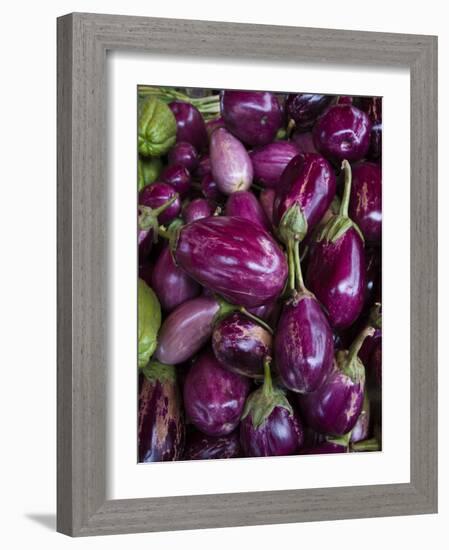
pixel 259 235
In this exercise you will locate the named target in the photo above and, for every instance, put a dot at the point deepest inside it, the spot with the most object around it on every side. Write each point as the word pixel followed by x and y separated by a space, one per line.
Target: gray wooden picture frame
pixel 83 41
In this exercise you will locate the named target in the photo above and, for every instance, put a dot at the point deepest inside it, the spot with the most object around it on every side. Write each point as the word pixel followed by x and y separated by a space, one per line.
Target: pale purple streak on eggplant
pixel 178 177
pixel 269 161
pixel 200 446
pixel 365 206
pixel 155 195
pixel 214 397
pixel 190 124
pixel 184 153
pixel 245 205
pixel 238 260
pixel 196 210
pixel 185 331
pixel 360 431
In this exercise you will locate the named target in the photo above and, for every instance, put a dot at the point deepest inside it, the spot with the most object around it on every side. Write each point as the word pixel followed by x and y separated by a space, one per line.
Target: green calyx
pixel 293 225
pixel 159 372
pixel 348 361
pixel 261 403
pixel 375 316
pixel 156 129
pixel 148 216
pixel 338 224
pixel 342 440
pixel 148 322
pixel 225 309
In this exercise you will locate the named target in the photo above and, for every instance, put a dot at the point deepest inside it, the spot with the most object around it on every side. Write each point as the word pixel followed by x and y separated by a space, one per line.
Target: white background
pixel 27 244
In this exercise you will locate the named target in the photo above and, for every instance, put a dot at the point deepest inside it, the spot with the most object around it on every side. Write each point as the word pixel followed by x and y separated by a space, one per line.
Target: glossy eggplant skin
pixel 303 345
pixel 155 195
pixel 238 260
pixel 161 430
pixel 196 209
pixel 184 153
pixel 178 177
pixel 309 182
pixel 305 108
pixel 185 331
pixel 200 446
pixel 240 345
pixel 365 206
pixel 373 108
pixel 214 397
pixel 203 167
pixel 360 431
pixel 190 125
pixel 336 275
pixel 342 132
pixel 230 163
pixel 171 284
pixel 245 205
pixel 210 189
pixel 269 161
pixel 253 117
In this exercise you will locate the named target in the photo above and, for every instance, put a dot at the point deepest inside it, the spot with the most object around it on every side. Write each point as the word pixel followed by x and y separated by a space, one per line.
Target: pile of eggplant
pixel 259 292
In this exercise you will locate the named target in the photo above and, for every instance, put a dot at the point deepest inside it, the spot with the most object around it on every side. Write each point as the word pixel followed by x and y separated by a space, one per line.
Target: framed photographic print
pixel 247 279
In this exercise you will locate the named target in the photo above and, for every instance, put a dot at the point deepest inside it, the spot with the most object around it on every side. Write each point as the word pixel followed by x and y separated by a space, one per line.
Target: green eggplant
pixel 148 170
pixel 156 129
pixel 149 322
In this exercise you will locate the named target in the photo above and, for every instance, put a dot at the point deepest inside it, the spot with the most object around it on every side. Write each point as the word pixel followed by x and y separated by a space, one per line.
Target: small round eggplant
pixel 266 199
pixel 305 108
pixel 245 205
pixel 161 430
pixel 342 132
pixel 184 153
pixel 305 192
pixel 269 426
pixel 336 405
pixel 253 117
pixel 270 161
pixel 158 194
pixel 214 397
pixel 365 205
pixel 200 446
pixel 171 284
pixel 373 108
pixel 178 177
pixel 238 260
pixel 210 189
pixel 190 124
pixel 240 345
pixel 336 265
pixel 231 166
pixel 203 167
pixel 195 210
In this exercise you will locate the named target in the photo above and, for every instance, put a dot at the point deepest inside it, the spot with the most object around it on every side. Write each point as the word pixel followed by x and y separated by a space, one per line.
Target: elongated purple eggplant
pixel 178 177
pixel 184 153
pixel 240 345
pixel 266 199
pixel 253 117
pixel 158 194
pixel 160 422
pixel 172 285
pixel 365 205
pixel 336 405
pixel 342 132
pixel 230 163
pixel 305 192
pixel 214 397
pixel 200 446
pixel 336 268
pixel 238 260
pixel 305 108
pixel 245 205
pixel 269 161
pixel 269 425
pixel 304 142
pixel 190 124
pixel 373 108
pixel 196 209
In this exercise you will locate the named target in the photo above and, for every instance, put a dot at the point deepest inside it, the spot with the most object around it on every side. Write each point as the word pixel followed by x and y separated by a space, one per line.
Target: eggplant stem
pixel 162 207
pixel 358 343
pixel 256 319
pixel 291 266
pixel 344 206
pixel 366 445
pixel 267 382
pixel 298 271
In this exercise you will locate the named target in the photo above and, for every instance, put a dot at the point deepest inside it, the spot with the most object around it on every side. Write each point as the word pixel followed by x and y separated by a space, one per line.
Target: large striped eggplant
pixel 236 259
pixel 200 446
pixel 160 419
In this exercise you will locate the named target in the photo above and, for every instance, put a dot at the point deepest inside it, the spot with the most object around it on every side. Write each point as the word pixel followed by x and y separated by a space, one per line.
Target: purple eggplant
pixel 238 260
pixel 304 142
pixel 305 108
pixel 157 195
pixel 269 425
pixel 214 397
pixel 171 284
pixel 210 189
pixel 269 161
pixel 266 199
pixel 178 177
pixel 342 132
pixel 213 124
pixel 336 265
pixel 200 446
pixel 149 226
pixel 336 405
pixel 160 420
pixel 373 108
pixel 245 205
pixel 240 345
pixel 184 153
pixel 373 276
pixel 203 167
pixel 231 166
pixel 305 192
pixel 195 210
pixel 253 117
pixel 365 205
pixel 190 124
pixel 360 431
